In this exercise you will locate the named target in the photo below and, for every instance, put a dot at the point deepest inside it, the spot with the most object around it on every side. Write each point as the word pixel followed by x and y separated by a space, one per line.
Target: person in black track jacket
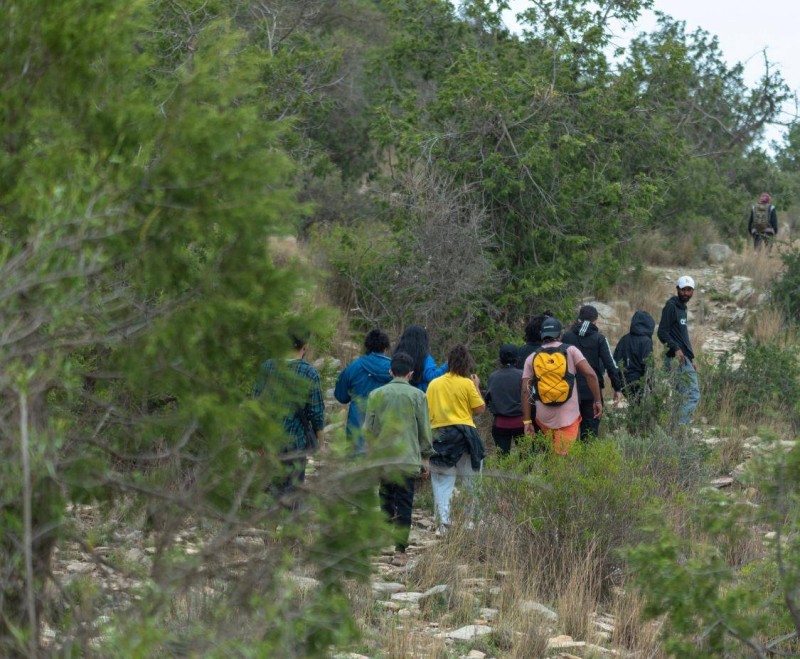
pixel 585 336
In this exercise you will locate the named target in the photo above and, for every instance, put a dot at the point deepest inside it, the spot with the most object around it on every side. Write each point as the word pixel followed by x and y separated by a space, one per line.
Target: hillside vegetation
pixel 158 160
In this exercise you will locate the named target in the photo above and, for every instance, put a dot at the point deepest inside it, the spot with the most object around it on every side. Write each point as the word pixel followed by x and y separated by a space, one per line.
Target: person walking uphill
pixel 763 224
pixel 397 428
pixel 585 336
pixel 358 379
pixel 533 337
pixel 549 376
pixel 673 332
pixel 296 384
pixel 458 449
pixel 414 341
pixel 632 354
pixel 503 399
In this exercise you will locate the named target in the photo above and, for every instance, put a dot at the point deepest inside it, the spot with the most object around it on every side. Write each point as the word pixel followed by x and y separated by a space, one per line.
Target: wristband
pixel 526 422
pixel 598 402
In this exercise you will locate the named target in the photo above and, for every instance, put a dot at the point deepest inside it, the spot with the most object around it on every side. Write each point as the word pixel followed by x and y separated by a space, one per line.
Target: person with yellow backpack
pixel 763 225
pixel 548 378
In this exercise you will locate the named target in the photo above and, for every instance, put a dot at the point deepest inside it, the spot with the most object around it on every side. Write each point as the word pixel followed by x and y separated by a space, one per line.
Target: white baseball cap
pixel 685 282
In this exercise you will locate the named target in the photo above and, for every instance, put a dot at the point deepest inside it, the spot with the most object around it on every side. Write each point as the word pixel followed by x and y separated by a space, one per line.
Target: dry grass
pixel 762 267
pixel 769 326
pixel 580 594
pixel 658 249
pixel 631 631
pixel 730 453
pixel 286 250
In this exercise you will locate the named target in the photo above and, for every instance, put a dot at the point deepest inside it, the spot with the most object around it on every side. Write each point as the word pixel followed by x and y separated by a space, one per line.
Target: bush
pixel 724 590
pixel 559 507
pixel 786 290
pixel 764 387
pixel 672 460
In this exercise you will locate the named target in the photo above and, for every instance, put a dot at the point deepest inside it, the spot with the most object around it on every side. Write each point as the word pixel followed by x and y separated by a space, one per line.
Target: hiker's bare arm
pixel 526 406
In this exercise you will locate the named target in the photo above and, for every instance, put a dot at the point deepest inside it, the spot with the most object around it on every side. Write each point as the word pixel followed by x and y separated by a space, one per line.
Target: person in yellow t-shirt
pixel 453 399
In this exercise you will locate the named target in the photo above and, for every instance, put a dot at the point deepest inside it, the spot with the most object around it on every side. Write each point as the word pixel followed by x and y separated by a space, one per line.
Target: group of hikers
pixel 420 415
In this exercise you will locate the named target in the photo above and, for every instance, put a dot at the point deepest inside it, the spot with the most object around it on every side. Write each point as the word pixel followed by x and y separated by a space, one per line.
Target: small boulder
pixel 387 588
pixel 438 596
pixel 528 606
pixel 717 253
pixel 469 632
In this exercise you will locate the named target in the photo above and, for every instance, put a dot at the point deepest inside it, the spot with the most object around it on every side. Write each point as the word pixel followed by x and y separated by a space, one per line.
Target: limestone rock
pixel 717 253
pixel 528 606
pixel 410 597
pixel 387 587
pixel 475 654
pixel 564 643
pixel 606 311
pixel 327 362
pixel 469 632
pixel 438 595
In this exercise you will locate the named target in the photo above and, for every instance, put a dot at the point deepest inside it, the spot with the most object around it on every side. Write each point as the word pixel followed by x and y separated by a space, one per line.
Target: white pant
pixel 443 480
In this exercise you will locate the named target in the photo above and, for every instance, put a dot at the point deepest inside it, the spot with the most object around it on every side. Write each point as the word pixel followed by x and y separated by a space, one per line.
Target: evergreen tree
pixel 140 190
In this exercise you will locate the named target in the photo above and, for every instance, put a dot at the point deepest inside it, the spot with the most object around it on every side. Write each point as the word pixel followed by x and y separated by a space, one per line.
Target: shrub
pixel 560 507
pixel 720 598
pixel 786 290
pixel 764 387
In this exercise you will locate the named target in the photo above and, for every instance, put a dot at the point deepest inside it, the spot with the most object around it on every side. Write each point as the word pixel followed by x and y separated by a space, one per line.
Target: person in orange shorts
pixel 559 421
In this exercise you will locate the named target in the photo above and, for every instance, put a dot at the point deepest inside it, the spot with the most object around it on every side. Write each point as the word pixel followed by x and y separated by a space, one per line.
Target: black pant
pixel 503 436
pixel 286 490
pixel 397 500
pixel 590 427
pixel 765 238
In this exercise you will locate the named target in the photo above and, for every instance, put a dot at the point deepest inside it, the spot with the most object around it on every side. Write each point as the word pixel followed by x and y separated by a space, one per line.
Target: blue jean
pixel 688 389
pixel 443 480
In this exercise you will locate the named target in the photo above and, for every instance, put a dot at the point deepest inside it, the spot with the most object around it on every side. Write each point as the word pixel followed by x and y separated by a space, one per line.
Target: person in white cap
pixel 673 332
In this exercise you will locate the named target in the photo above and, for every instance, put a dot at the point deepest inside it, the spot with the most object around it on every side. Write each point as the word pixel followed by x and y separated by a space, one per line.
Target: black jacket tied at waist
pixel 450 443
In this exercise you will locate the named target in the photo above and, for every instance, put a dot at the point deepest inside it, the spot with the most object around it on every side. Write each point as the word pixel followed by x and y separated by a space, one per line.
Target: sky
pixel 744 29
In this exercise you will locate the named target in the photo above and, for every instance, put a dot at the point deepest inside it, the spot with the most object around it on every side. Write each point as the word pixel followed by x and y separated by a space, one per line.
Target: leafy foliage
pixel 142 188
pixel 786 290
pixel 763 387
pixel 587 503
pixel 720 599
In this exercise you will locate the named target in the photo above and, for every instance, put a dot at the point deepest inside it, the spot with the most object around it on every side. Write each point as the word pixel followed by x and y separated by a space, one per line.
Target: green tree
pixel 140 190
pixel 711 119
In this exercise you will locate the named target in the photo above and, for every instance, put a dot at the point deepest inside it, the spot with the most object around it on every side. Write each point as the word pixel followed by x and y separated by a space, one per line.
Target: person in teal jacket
pixel 361 377
pixel 414 341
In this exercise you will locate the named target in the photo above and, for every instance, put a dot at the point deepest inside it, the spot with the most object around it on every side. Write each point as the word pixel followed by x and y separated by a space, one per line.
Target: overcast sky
pixel 744 29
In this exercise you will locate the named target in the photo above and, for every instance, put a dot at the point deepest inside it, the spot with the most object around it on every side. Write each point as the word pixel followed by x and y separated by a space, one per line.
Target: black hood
pixel 642 324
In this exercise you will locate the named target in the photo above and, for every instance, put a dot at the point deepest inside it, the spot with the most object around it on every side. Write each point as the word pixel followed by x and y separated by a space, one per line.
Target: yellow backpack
pixel 552 383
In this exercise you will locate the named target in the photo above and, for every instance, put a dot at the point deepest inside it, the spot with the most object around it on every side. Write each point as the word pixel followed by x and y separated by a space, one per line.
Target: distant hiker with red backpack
pixel 549 378
pixel 763 225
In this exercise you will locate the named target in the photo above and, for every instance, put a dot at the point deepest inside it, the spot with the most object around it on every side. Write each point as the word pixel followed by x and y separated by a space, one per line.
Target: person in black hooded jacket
pixel 587 338
pixel 632 353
